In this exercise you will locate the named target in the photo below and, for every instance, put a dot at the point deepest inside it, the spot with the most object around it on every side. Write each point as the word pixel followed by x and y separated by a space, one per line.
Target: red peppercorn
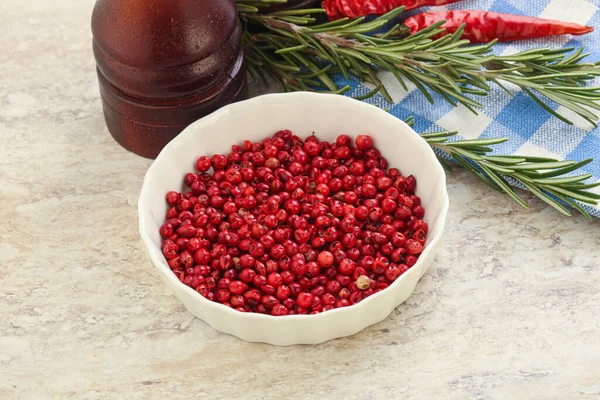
pixel 173 198
pixel 237 301
pixel 219 161
pixel 346 266
pixel 388 205
pixel 421 225
pixel 343 140
pixel 325 259
pixel 380 264
pixel 238 287
pixel 410 260
pixel 222 295
pixel 256 249
pixel 357 169
pixel 166 230
pixel 203 164
pixel 247 275
pixel 279 310
pixel 344 294
pixel 350 197
pixel 349 240
pixel 344 280
pixel 268 301
pixel 364 142
pixel 342 152
pixel 342 303
pixel 418 211
pixel 252 297
pixel 305 299
pixel 170 249
pixel 274 279
pixel 268 289
pixel 392 272
pixel 413 247
pixel 368 191
pixel 313 269
pixel 283 292
pixel 328 299
pixel 301 236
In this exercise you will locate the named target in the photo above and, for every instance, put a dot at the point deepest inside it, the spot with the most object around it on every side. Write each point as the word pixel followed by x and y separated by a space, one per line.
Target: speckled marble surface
pixel 510 309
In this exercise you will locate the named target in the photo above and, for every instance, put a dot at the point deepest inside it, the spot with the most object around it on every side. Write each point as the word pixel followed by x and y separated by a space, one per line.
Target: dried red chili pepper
pixel 337 9
pixel 485 26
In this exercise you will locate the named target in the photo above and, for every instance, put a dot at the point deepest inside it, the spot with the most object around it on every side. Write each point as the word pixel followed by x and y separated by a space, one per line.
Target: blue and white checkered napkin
pixel 531 130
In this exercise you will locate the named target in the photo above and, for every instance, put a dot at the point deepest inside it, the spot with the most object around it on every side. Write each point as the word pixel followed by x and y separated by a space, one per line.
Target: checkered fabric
pixel 531 130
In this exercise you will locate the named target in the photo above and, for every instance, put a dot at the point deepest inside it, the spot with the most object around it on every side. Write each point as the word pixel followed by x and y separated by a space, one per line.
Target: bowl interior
pixel 304 114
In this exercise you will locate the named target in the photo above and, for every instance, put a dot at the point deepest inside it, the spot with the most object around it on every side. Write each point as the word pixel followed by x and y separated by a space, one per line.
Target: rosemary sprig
pixel 303 54
pixel 546 178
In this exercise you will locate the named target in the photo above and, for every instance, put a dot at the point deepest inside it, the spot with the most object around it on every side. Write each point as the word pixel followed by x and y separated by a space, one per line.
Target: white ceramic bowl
pixel 303 113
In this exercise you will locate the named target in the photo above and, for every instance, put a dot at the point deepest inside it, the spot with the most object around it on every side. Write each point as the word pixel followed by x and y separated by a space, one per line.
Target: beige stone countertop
pixel 510 308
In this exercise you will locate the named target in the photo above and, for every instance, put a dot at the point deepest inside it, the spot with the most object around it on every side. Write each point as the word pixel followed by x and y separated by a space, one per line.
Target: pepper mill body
pixel 162 64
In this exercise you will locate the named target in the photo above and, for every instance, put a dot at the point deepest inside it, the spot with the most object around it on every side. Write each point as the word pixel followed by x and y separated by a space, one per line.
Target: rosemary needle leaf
pixel 547 199
pixel 371 93
pixel 574 205
pixel 558 181
pixel 566 170
pixel 583 186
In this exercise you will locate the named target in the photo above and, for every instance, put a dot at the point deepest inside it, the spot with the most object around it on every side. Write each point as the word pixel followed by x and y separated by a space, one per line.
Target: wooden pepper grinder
pixel 162 64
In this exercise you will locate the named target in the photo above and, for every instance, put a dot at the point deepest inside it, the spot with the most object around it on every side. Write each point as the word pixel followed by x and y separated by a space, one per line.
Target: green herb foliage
pixel 300 52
